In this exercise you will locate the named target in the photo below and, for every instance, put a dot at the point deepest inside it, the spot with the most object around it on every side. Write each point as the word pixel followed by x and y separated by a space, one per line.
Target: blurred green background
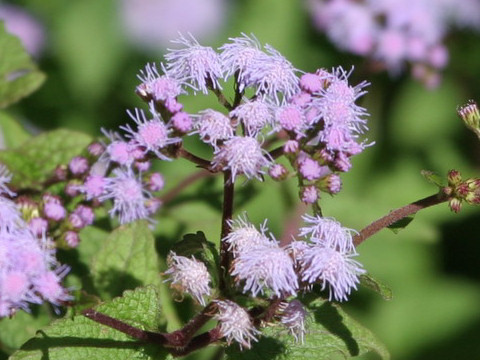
pixel 432 266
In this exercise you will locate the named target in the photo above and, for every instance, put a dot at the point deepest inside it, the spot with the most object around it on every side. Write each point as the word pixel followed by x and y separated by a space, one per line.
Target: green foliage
pixel 34 161
pixel 82 338
pixel 401 224
pixel 126 260
pixel 12 133
pixel 371 283
pixel 332 334
pixel 19 75
pixel 433 178
pixel 202 249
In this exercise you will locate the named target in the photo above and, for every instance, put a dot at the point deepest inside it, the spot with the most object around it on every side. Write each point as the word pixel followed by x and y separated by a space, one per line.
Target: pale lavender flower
pixel 85 214
pixel 72 238
pixel 277 172
pixel 156 182
pixel 151 134
pixel 293 317
pixel 128 195
pixel 265 270
pixel 241 155
pixel 53 209
pixel 93 186
pixel 311 169
pixel 200 65
pixel 22 24
pixel 38 226
pixel 182 122
pixel 254 115
pixel 328 232
pixel 309 194
pixel 273 75
pixel 158 87
pixel 291 118
pixel 189 275
pixel 118 150
pixel 5 177
pixel 213 126
pixel 26 264
pixel 10 217
pixel 78 165
pixel 151 24
pixel 239 56
pixel 235 324
pixel 334 269
pixel 244 235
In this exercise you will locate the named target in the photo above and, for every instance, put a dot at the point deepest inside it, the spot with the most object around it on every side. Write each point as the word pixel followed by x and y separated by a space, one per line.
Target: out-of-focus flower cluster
pixel 29 272
pixel 396 32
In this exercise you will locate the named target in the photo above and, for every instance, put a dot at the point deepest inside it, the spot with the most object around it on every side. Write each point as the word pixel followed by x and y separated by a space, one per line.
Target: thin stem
pixel 129 330
pixel 199 342
pixel 183 184
pixel 182 152
pixel 397 215
pixel 221 98
pixel 276 153
pixel 227 214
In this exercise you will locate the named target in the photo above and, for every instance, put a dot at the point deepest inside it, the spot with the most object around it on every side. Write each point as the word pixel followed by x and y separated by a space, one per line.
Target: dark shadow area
pixel 330 318
pixel 115 282
pixel 464 344
pixel 459 247
pixel 46 344
pixel 72 258
pixel 266 348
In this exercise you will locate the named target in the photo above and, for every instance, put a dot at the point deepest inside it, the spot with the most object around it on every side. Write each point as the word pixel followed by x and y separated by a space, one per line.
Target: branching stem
pixel 397 215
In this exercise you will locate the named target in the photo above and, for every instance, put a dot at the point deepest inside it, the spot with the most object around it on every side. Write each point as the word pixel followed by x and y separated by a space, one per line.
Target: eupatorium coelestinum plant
pixel 252 289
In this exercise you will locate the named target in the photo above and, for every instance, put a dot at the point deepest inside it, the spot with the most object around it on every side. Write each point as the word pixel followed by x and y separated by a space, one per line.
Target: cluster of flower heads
pixel 316 113
pixel 396 32
pixel 29 272
pixel 261 267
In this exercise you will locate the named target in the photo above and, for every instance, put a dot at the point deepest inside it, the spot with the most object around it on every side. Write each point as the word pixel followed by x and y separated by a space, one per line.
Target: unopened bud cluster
pixel 461 191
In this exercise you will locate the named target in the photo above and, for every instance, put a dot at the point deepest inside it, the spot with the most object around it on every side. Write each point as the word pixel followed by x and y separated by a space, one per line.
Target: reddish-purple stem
pixel 397 215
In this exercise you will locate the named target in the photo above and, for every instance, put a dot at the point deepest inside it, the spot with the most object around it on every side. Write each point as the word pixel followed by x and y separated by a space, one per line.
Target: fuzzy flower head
pixel 242 155
pixel 128 195
pixel 327 232
pixel 334 269
pixel 254 115
pixel 265 270
pixel 244 236
pixel 235 324
pixel 189 276
pixel 200 65
pixel 151 135
pixel 239 56
pixel 273 75
pixel 158 87
pixel 293 317
pixel 5 177
pixel 213 126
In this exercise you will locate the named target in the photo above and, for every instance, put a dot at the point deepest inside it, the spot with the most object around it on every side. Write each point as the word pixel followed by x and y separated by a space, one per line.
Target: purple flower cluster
pixel 189 276
pixel 396 32
pixel 29 272
pixel 261 266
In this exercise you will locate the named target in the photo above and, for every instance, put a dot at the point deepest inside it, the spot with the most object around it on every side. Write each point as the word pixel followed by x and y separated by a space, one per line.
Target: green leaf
pixel 432 178
pixel 19 75
pixel 12 134
pixel 202 249
pixel 22 326
pixel 333 335
pixel 34 161
pixel 82 338
pixel 401 224
pixel 126 260
pixel 371 283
